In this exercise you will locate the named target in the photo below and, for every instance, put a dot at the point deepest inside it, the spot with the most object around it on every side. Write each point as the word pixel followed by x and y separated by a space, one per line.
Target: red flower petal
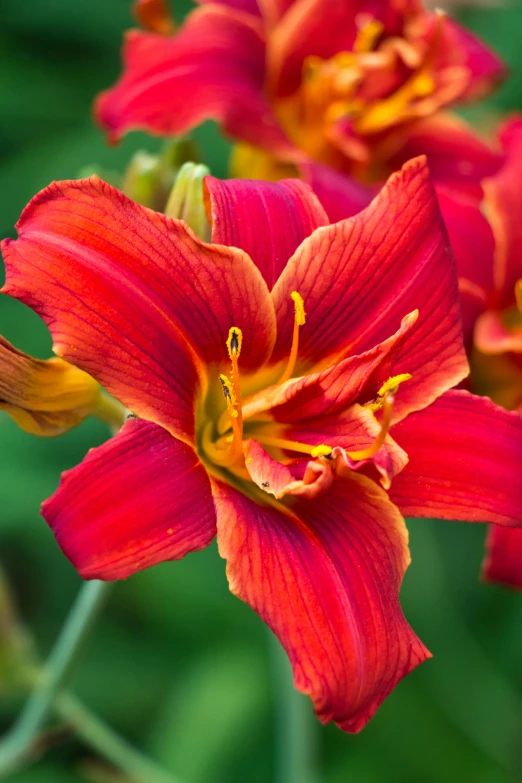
pixel 503 206
pixel 353 430
pixel 309 27
pixel 134 298
pixel 454 152
pixel 268 220
pixel 273 10
pixel 493 337
pixel 460 47
pixel 503 561
pixel 472 242
pixel 355 379
pixel 269 474
pixel 325 577
pixel 247 6
pixel 308 478
pixel 340 195
pixel 465 454
pixel 214 68
pixel 359 277
pixel 140 499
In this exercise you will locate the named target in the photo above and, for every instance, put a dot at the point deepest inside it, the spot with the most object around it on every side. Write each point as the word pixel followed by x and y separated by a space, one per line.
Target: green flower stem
pixel 296 725
pixel 108 743
pixel 16 747
pixel 111 412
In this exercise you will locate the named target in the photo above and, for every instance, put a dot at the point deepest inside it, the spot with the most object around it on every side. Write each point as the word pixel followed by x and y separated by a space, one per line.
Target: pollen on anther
pixel 234 341
pixel 226 388
pixel 300 315
pixel 321 451
pixel 392 384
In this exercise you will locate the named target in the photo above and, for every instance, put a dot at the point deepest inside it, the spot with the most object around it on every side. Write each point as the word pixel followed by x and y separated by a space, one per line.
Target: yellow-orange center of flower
pixel 346 101
pixel 249 418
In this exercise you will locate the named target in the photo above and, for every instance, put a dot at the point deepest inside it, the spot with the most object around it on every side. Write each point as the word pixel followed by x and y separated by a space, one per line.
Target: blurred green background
pixel 176 663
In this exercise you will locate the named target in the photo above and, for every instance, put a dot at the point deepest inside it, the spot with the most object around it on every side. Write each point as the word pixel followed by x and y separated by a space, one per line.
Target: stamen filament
pixel 232 394
pixel 294 445
pixel 387 408
pixel 299 320
pixel 233 412
pixel 234 343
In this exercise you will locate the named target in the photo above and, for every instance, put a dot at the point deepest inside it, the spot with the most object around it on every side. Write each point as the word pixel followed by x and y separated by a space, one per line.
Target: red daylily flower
pixel 325 85
pixel 486 236
pixel 293 383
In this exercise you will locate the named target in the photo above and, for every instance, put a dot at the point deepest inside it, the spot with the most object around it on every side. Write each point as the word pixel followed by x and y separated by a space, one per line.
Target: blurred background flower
pixel 177 664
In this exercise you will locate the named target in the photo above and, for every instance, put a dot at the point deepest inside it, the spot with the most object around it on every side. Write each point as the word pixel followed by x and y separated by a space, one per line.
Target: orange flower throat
pixel 222 443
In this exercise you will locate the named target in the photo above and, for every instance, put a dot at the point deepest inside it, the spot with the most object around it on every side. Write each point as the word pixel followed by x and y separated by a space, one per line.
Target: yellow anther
pixel 321 451
pixel 234 342
pixel 300 315
pixel 225 385
pixel 393 383
pixel 229 395
pixel 388 387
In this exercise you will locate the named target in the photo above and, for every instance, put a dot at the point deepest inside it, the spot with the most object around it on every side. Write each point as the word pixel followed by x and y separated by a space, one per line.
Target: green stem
pixel 16 747
pixel 296 725
pixel 108 743
pixel 111 412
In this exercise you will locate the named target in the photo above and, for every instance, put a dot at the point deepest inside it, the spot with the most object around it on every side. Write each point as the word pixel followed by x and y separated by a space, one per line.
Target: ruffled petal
pixel 503 207
pixel 140 499
pixel 309 27
pixel 359 277
pixel 44 397
pixel 503 561
pixel 325 575
pixel 354 431
pixel 308 478
pixel 134 298
pixel 268 220
pixel 465 457
pixel 214 68
pixel 269 474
